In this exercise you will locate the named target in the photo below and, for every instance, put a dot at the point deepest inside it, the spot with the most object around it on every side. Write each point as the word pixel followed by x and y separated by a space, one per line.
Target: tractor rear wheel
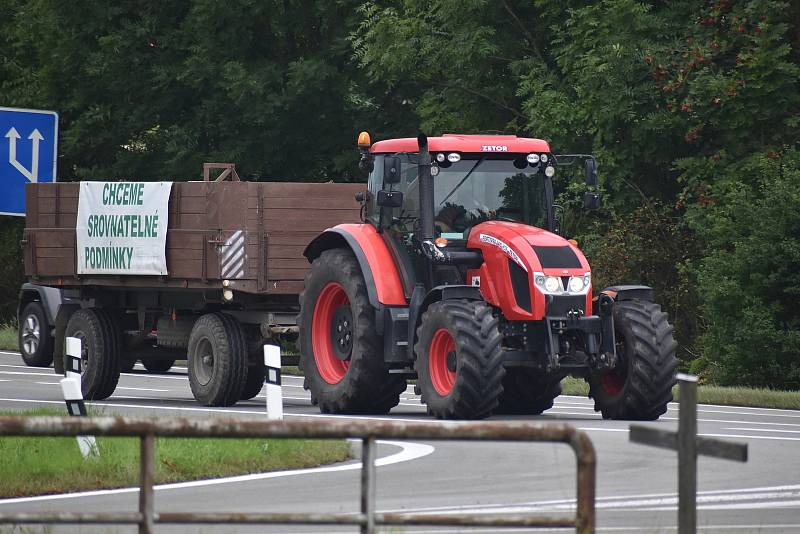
pixel 341 354
pixel 527 392
pixel 639 387
pixel 459 360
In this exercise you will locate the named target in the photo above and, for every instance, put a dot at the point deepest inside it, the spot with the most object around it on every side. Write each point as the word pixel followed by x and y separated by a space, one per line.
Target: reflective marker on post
pixel 71 388
pixel 72 367
pixel 272 362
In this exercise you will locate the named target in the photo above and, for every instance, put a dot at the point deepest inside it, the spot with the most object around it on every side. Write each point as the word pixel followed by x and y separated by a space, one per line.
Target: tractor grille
pixel 521 285
pixel 559 305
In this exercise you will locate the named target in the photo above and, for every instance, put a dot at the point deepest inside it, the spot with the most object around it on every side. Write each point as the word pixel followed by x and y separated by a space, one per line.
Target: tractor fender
pixel 435 295
pixel 381 275
pixel 628 292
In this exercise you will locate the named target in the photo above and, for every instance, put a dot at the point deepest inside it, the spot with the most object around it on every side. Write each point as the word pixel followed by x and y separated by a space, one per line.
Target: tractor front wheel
pixel 639 387
pixel 527 392
pixel 459 360
pixel 341 354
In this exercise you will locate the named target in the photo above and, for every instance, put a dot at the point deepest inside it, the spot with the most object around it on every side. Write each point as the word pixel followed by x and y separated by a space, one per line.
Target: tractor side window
pixel 374 184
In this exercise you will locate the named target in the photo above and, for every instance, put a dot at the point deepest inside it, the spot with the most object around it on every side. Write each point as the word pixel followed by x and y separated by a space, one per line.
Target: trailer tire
pixel 217 359
pixel 35 339
pixel 640 385
pixel 527 392
pixel 126 365
pixel 459 360
pixel 352 378
pixel 158 365
pixel 100 350
pixel 254 381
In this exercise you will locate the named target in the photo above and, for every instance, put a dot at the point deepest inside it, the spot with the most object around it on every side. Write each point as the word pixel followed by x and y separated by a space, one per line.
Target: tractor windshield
pixel 471 191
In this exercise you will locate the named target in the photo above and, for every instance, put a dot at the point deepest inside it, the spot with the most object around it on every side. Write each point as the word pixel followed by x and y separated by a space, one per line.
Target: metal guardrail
pixel 367 431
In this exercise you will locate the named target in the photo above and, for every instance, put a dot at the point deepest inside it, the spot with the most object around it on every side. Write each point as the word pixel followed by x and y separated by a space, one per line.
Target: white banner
pixel 122 227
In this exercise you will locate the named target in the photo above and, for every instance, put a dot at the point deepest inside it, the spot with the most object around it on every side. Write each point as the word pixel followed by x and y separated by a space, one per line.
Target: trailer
pixel 225 281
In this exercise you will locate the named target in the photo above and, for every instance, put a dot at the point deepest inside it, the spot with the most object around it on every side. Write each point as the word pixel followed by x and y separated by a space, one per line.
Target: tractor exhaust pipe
pixel 425 189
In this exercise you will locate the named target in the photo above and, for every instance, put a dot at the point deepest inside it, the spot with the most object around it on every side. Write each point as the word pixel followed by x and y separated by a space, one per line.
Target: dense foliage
pixel 692 108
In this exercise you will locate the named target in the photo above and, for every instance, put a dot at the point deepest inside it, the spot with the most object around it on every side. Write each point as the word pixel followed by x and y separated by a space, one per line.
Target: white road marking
pixel 763 430
pixel 48 383
pixel 25 374
pixel 142 389
pixel 646 502
pixel 781 527
pixel 409 451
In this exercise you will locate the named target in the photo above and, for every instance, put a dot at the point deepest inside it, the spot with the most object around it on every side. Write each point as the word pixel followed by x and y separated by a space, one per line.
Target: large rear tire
pixel 640 385
pixel 459 360
pixel 100 351
pixel 35 339
pixel 341 354
pixel 217 360
pixel 527 392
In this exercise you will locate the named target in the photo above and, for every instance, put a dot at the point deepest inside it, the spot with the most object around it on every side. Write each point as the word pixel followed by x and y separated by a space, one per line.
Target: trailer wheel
pixel 126 365
pixel 217 360
pixel 527 392
pixel 35 339
pixel 254 381
pixel 100 348
pixel 459 360
pixel 340 352
pixel 640 385
pixel 158 365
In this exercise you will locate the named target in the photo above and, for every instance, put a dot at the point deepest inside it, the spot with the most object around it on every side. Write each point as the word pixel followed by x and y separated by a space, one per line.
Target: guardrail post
pixel 368 485
pixel 585 492
pixel 146 497
pixel 687 456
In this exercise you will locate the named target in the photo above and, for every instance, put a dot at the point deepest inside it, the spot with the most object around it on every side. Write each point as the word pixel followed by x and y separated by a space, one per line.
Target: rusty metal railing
pixel 367 431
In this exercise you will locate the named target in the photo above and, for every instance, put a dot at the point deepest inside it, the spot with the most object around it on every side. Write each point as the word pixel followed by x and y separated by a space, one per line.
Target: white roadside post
pixel 71 388
pixel 272 362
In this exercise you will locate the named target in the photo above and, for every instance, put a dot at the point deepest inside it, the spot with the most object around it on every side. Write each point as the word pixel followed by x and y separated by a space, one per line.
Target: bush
pixel 750 278
pixel 651 246
pixel 11 269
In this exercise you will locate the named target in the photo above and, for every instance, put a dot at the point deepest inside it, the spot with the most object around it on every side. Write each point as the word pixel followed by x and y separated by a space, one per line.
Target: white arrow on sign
pixel 35 137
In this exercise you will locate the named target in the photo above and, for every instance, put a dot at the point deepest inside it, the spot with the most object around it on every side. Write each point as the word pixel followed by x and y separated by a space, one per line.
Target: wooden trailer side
pixel 250 233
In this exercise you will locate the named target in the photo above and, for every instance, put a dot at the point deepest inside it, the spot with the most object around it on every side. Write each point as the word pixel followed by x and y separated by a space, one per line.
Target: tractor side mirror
pixel 591 201
pixel 391 170
pixel 590 170
pixel 390 199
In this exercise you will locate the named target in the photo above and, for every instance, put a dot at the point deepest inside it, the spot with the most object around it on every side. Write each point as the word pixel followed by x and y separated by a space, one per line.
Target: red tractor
pixel 458 277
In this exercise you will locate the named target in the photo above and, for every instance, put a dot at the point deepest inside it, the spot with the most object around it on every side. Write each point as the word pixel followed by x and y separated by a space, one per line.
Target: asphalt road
pixel 635 484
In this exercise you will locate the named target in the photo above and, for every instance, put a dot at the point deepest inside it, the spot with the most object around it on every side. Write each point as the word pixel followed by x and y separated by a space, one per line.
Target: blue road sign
pixel 28 145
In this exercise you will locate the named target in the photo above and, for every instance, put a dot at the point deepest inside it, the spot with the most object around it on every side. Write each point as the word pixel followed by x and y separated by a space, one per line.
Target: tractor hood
pixel 533 249
pixel 518 262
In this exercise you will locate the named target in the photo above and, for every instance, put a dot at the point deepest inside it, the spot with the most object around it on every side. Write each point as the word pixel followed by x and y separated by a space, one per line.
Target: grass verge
pixel 44 465
pixel 8 337
pixel 710 394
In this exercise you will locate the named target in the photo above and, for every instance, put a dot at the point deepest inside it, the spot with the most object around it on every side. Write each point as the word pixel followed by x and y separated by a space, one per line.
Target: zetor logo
pixel 494 148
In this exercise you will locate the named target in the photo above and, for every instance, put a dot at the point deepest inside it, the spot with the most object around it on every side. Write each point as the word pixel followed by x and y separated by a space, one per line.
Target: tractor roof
pixel 464 143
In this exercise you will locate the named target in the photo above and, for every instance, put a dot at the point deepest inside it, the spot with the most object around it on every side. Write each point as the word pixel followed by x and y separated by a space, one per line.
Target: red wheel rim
pixel 442 378
pixel 330 367
pixel 613 382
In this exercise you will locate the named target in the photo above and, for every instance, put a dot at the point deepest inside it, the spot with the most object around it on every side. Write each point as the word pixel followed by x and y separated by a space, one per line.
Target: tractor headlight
pixel 552 284
pixel 549 171
pixel 548 284
pixel 533 158
pixel 576 284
